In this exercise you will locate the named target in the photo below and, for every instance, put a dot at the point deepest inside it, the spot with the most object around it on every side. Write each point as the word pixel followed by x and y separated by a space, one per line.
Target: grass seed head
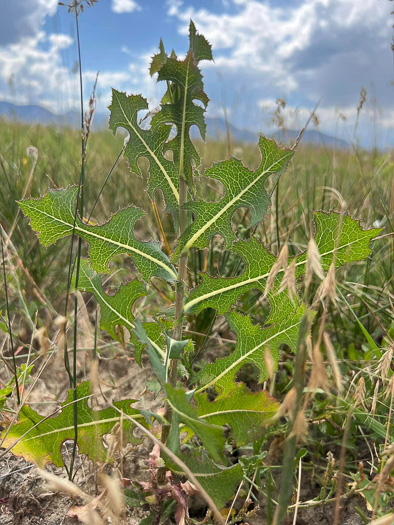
pixel 269 363
pixel 359 394
pixel 385 363
pixel 281 262
pixel 289 280
pixel 318 378
pixel 313 264
pixel 327 288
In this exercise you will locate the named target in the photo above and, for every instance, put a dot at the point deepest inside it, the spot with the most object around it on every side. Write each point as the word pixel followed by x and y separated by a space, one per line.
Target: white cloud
pixel 322 48
pixel 125 6
pixel 22 19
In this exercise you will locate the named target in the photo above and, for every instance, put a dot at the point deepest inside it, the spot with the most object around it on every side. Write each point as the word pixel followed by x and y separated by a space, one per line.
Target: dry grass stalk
pixel 313 264
pixel 333 362
pixel 388 519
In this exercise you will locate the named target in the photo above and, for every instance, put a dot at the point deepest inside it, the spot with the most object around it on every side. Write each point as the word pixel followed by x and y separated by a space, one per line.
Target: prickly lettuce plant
pixel 203 399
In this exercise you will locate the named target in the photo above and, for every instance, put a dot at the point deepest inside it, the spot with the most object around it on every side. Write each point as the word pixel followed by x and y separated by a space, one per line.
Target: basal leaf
pixel 243 187
pixel 219 482
pixel 52 217
pixel 212 436
pixel 338 237
pixel 244 411
pixel 42 443
pixel 182 112
pixel 252 343
pixel 146 143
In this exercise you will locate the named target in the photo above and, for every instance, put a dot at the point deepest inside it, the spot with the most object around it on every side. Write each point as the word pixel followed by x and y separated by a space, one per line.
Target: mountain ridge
pixel 216 126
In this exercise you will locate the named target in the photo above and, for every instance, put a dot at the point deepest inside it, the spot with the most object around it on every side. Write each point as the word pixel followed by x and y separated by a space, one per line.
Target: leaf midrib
pixel 159 164
pixel 129 323
pixel 245 356
pixel 80 425
pixel 243 410
pixel 208 224
pixel 258 278
pixel 111 241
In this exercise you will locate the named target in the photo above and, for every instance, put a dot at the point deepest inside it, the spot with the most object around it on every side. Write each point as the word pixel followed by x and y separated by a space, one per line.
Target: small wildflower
pixel 281 262
pixel 313 264
pixel 333 362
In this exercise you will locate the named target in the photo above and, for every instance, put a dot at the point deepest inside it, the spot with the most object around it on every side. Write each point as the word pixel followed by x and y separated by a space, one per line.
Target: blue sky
pixel 300 50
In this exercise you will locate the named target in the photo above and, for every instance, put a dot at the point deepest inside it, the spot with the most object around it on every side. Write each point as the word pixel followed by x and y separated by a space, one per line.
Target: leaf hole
pixel 249 375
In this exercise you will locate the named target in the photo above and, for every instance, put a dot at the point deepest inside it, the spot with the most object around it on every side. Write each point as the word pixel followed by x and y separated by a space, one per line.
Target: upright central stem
pixel 182 274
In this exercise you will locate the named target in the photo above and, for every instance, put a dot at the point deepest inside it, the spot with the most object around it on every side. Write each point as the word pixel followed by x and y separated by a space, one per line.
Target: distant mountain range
pixel 216 127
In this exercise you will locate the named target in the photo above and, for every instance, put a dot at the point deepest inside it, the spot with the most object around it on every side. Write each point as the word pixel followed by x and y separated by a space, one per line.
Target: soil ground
pixel 26 499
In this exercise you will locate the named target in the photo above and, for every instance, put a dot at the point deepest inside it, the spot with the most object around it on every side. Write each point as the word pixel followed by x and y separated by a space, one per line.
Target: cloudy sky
pixel 304 51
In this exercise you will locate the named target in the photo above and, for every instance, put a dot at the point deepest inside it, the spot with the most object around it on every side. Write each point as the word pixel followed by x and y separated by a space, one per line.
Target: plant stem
pixel 10 325
pixel 81 205
pixel 291 442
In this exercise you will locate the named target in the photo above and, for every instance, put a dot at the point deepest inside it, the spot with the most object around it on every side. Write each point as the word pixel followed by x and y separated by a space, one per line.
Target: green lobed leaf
pixel 42 444
pixel 337 236
pixel 212 436
pixel 187 86
pixel 243 187
pixel 115 309
pixel 146 143
pixel 219 482
pixel 252 343
pixel 244 411
pixel 52 217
